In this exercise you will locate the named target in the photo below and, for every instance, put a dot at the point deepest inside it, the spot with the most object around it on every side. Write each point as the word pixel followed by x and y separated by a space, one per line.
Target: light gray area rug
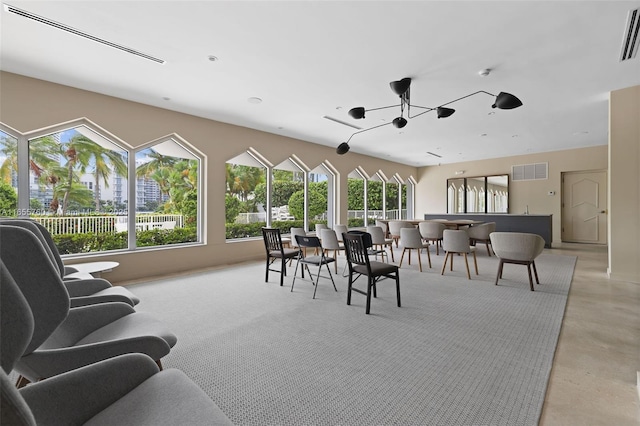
pixel 458 351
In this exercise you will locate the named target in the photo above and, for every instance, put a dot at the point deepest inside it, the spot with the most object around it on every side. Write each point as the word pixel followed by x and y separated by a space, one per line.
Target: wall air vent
pixel 530 171
pixel 631 38
pixel 344 123
pixel 79 33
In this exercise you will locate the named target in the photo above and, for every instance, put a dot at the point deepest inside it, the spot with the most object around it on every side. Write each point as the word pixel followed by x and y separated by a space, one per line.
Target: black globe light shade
pixel 343 148
pixel 401 86
pixel 357 112
pixel 444 112
pixel 506 100
pixel 399 122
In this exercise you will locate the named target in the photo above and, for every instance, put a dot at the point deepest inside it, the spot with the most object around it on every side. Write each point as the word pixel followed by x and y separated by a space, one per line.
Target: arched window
pixel 167 193
pixel 246 195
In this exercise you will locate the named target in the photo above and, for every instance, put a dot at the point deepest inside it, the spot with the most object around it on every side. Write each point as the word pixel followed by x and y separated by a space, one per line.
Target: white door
pixel 584 207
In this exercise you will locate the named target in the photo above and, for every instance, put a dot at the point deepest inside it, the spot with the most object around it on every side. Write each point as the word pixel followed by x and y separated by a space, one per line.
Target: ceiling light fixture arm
pixel 366 130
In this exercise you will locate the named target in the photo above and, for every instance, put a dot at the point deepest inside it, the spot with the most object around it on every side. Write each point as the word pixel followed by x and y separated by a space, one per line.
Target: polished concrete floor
pixel 595 370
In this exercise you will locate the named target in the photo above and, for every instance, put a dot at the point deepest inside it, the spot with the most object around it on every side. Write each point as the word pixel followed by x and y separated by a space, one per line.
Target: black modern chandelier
pixel 402 88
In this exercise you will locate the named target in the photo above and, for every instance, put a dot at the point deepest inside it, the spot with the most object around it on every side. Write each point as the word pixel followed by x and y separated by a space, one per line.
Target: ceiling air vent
pixel 630 41
pixel 530 171
pixel 79 33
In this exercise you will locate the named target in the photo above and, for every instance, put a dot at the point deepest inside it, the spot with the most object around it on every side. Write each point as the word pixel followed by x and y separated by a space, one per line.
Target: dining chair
pixel 356 247
pixel 456 241
pixel 318 260
pixel 412 240
pixel 394 229
pixel 432 232
pixel 320 227
pixel 276 251
pixel 380 242
pixel 340 229
pixel 480 234
pixel 329 241
pixel 519 248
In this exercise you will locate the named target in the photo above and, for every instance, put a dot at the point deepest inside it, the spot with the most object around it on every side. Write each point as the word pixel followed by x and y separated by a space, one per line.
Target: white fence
pixel 102 224
pixel 351 214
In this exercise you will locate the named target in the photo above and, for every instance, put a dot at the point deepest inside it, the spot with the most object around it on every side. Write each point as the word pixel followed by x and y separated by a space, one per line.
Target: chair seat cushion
pixel 130 326
pixel 377 268
pixel 168 397
pixel 287 253
pixel 317 260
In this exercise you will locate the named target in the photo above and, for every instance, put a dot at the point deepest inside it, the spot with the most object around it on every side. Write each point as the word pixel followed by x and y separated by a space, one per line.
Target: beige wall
pixel 27 104
pixel 624 185
pixel 431 192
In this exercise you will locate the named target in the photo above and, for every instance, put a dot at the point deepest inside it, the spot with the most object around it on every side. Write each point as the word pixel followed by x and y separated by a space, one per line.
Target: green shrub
pixel 87 243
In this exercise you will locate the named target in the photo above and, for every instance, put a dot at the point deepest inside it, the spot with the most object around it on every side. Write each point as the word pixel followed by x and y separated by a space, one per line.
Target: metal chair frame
pixel 316 260
pixel 275 250
pixel 357 249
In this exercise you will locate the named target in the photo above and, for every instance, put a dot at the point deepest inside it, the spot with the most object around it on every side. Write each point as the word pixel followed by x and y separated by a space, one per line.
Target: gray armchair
pixel 519 248
pixel 480 234
pixel 125 390
pixel 64 338
pixel 82 291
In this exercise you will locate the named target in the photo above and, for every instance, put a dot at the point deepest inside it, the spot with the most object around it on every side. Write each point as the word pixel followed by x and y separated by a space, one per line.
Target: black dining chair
pixel 275 250
pixel 306 242
pixel 357 250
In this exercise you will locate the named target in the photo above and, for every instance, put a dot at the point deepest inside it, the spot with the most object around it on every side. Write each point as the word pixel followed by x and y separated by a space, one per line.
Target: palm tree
pixel 153 169
pixel 105 161
pixel 42 156
pixel 78 154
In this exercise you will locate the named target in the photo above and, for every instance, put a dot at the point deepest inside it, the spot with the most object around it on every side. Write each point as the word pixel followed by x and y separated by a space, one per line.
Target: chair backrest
pixel 294 232
pixel 396 225
pixel 308 241
pixel 517 245
pixel 329 239
pixel 355 246
pixel 43 235
pixel 37 277
pixel 272 239
pixel 340 229
pixel 16 323
pixel 431 230
pixel 377 234
pixel 482 231
pixel 456 241
pixel 411 238
pixel 319 227
pixel 382 225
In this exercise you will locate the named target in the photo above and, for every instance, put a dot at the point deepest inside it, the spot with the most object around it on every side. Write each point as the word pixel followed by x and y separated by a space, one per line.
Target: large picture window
pixel 82 184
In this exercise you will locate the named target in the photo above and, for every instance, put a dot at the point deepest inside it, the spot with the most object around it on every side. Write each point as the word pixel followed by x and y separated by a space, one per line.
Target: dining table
pixel 449 223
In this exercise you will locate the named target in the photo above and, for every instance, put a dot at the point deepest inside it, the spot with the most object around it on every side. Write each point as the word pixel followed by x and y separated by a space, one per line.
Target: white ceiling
pixel 310 59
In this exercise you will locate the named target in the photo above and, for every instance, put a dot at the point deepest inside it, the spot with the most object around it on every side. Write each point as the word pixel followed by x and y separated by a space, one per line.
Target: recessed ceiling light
pixel 483 134
pixel 514 136
pixel 166 98
pixel 338 107
pixel 213 58
pixel 584 132
pixel 254 100
pixel 491 113
pixel 485 72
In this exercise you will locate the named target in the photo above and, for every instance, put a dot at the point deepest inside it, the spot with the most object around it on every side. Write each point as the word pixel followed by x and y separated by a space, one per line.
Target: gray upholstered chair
pixel 320 227
pixel 432 232
pixel 124 390
pixel 82 290
pixel 480 234
pixel 517 247
pixel 340 229
pixel 394 229
pixel 64 338
pixel 456 241
pixel 380 242
pixel 411 239
pixel 330 243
